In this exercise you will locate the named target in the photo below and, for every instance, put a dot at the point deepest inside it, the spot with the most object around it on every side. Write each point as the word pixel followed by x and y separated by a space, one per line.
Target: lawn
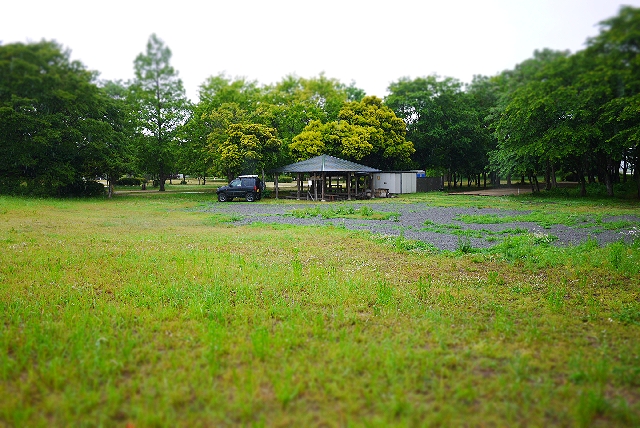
pixel 146 311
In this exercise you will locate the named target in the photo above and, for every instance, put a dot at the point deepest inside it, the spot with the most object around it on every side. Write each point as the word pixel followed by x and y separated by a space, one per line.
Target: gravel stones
pixel 437 226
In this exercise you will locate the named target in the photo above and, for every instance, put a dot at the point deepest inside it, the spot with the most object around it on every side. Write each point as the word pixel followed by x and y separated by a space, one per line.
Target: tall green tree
pixel 162 106
pixel 441 121
pixel 250 147
pixel 216 95
pixel 579 111
pixel 366 131
pixel 119 156
pixel 57 127
pixel 615 71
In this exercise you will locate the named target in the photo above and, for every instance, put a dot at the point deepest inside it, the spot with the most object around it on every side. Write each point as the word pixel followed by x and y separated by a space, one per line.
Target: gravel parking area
pixel 413 218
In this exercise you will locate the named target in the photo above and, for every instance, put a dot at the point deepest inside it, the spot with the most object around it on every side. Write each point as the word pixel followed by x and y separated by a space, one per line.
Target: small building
pixel 395 182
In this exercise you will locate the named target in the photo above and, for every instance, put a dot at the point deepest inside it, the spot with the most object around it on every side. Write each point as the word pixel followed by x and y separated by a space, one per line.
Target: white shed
pixel 394 182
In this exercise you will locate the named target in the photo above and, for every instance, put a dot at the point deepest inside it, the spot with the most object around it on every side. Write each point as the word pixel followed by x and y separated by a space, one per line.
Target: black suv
pixel 249 187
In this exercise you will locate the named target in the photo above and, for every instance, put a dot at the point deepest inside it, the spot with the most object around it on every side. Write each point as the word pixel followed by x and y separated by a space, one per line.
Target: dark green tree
pixel 159 97
pixel 447 132
pixel 614 71
pixel 118 152
pixel 57 127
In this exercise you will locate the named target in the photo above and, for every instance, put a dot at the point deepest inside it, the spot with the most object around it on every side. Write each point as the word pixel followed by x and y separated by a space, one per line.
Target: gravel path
pixel 443 230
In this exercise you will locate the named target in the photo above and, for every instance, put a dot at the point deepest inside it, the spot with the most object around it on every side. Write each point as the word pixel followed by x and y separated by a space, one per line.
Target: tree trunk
pixel 608 178
pixel 636 170
pixel 547 177
pixel 583 184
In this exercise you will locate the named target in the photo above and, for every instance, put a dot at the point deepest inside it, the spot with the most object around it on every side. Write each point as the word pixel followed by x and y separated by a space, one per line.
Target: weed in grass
pixel 384 294
pixel 628 314
pixel 286 387
pixel 494 278
pixel 220 218
pixel 344 211
pixel 402 244
pixel 464 244
pixel 624 258
pixel 260 341
pixel 592 404
pixel 424 288
pixel 556 297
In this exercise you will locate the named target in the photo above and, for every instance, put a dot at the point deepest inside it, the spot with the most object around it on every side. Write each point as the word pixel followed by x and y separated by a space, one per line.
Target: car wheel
pixel 222 197
pixel 250 197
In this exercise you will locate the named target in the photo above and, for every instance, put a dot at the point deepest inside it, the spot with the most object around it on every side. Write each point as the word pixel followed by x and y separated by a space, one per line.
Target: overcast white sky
pixel 369 42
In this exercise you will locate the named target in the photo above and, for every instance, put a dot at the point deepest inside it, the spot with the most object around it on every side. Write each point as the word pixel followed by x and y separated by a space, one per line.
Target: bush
pixel 39 188
pixel 131 181
pixel 83 188
pixel 285 179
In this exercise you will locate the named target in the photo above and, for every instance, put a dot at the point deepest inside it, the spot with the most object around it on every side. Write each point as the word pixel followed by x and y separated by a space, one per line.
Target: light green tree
pixel 249 148
pixel 366 131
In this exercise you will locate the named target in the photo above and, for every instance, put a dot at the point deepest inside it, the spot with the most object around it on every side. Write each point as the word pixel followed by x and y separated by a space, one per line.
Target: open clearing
pixel 174 310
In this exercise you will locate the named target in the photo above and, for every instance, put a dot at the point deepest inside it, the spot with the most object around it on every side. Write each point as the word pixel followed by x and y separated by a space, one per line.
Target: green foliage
pixel 131 181
pixel 572 111
pixel 444 123
pixel 343 211
pixel 249 148
pixel 57 128
pixel 162 107
pixel 366 131
pixel 285 179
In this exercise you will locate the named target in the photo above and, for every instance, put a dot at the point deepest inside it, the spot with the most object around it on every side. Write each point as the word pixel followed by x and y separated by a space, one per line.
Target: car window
pixel 247 182
pixel 235 183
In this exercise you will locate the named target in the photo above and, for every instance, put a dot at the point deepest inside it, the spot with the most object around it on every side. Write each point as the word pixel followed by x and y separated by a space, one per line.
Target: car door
pixel 235 188
pixel 247 186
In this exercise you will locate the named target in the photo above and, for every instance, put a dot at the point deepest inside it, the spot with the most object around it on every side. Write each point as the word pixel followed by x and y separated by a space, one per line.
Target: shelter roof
pixel 325 163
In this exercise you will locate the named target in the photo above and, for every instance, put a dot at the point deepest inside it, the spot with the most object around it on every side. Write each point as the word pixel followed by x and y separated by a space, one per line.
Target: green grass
pixel 145 310
pixel 343 211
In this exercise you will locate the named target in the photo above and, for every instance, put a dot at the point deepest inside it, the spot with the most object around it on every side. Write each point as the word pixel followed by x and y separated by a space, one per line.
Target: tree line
pixel 558 115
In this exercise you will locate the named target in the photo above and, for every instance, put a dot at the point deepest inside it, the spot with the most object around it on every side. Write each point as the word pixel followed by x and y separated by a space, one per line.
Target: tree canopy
pixel 57 127
pixel 559 114
pixel 365 131
pixel 162 107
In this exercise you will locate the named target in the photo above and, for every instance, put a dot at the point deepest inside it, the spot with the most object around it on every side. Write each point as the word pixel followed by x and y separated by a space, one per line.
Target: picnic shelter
pixel 329 178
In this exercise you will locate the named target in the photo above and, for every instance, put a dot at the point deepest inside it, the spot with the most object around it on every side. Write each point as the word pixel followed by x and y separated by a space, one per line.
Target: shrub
pixel 83 188
pixel 285 179
pixel 131 181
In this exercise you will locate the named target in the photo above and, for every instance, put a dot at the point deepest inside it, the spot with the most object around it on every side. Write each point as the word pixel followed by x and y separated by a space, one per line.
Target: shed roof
pixel 325 163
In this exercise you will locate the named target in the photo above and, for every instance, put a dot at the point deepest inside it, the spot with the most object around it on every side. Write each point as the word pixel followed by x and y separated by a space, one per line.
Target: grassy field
pixel 146 311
